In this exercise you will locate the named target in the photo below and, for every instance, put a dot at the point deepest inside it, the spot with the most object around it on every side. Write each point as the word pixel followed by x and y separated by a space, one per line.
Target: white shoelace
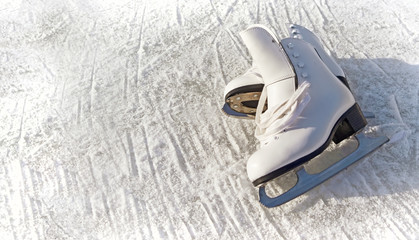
pixel 278 118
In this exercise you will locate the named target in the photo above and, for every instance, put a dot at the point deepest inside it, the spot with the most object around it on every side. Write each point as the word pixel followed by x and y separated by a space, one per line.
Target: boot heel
pixel 353 121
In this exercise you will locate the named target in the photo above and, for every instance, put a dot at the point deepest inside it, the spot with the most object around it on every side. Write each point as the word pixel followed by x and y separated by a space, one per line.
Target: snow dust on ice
pixel 110 121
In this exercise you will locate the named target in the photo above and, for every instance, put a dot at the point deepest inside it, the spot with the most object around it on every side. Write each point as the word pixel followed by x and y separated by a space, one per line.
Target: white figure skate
pixel 242 94
pixel 308 108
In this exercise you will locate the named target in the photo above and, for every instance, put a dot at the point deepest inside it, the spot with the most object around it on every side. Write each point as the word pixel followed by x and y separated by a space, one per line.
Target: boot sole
pixel 242 102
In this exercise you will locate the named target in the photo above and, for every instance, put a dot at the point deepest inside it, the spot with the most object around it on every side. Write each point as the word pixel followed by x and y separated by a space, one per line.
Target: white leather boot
pixel 241 94
pixel 308 106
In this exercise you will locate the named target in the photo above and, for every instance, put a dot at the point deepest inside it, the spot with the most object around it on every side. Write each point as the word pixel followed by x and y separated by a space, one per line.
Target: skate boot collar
pixel 267 54
pixel 271 60
pixel 251 77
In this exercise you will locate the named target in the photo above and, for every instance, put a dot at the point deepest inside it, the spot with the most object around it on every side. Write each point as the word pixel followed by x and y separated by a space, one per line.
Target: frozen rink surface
pixel 110 121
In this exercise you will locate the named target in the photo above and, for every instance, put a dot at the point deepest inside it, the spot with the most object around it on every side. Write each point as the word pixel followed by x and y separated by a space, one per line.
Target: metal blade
pixel 368 114
pixel 308 181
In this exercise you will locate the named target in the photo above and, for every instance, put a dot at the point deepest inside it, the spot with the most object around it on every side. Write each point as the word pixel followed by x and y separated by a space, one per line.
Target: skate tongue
pixel 278 118
pixel 280 92
pixel 270 58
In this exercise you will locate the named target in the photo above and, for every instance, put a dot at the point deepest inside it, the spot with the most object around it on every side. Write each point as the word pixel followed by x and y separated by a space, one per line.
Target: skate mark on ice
pixel 396 228
pixel 231 219
pixel 381 186
pixel 78 111
pixel 276 26
pixel 325 21
pixel 220 21
pixel 238 216
pixel 246 216
pixel 25 218
pixel 258 12
pixel 59 172
pixel 287 12
pixel 63 93
pixel 241 215
pixel 220 64
pixel 234 137
pixel 50 74
pixel 253 209
pixel 141 209
pixel 158 185
pixel 160 227
pixel 10 218
pixel 179 16
pixel 326 3
pixel 36 212
pixel 182 163
pixel 125 88
pixel 150 162
pixel 309 18
pixel 88 209
pixel 91 88
pixel 68 181
pixel 31 212
pixel 129 211
pixel 135 54
pixel 106 208
pixel 138 47
pixel 329 44
pixel 188 227
pixel 361 185
pixel 108 205
pixel 230 35
pixel 394 82
pixel 272 222
pixel 215 228
pixel 22 119
pixel 92 172
pixel 179 156
pixel 229 10
pixel 150 63
pixel 7 201
pixel 347 235
pixel 409 33
pixel 133 159
pixel 343 35
pixel 59 226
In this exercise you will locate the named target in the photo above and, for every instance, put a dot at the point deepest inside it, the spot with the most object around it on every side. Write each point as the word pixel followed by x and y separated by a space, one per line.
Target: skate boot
pixel 308 108
pixel 241 95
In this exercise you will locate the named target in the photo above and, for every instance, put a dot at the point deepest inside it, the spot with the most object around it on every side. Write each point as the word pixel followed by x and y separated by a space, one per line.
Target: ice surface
pixel 110 121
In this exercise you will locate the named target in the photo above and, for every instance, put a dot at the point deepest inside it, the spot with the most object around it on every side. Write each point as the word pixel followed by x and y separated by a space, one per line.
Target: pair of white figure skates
pixel 301 102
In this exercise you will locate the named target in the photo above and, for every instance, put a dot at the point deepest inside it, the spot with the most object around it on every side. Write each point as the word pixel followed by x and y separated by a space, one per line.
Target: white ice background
pixel 110 121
